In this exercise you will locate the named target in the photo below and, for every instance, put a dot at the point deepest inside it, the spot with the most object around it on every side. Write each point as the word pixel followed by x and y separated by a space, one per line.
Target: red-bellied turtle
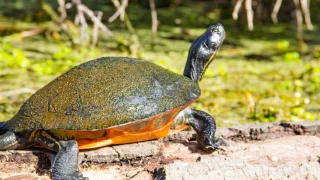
pixel 114 100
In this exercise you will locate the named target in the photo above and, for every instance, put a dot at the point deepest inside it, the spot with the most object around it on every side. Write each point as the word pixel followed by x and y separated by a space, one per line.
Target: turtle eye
pixel 216 30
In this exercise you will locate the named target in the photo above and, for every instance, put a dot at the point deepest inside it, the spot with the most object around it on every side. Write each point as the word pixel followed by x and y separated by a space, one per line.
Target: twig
pixel 299 21
pixel 62 9
pixel 63 18
pixel 80 19
pixel 95 19
pixel 275 11
pixel 24 34
pixel 76 20
pixel 251 101
pixel 96 30
pixel 305 8
pixel 117 4
pixel 134 43
pixel 120 12
pixel 84 25
pixel 154 19
pixel 48 9
pixel 31 32
pixel 248 4
pixel 236 9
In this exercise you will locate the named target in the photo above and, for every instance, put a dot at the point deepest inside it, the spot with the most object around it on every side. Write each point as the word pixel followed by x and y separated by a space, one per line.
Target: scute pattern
pixel 103 93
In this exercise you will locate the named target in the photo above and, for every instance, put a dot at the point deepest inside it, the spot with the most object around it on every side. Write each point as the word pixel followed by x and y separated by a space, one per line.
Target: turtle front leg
pixel 205 126
pixel 65 164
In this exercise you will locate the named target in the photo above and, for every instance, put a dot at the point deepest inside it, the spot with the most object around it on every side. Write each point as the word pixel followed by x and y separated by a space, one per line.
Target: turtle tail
pixel 3 127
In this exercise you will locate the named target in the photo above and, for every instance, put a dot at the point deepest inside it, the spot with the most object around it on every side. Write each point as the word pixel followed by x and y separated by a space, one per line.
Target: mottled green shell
pixel 102 93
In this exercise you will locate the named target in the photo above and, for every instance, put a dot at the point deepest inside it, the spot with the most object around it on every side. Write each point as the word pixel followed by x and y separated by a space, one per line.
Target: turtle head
pixel 202 51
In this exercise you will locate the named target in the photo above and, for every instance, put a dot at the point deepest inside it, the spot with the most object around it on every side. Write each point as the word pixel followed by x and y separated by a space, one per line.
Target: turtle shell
pixel 103 93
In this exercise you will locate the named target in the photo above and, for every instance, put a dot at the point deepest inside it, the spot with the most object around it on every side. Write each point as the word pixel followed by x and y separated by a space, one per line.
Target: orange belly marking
pixel 132 132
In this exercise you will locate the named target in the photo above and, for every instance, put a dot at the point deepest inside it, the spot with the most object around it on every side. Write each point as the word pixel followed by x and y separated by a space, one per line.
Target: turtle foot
pixel 75 176
pixel 215 145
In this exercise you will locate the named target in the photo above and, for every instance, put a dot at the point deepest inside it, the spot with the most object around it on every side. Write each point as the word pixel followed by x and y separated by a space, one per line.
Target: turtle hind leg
pixel 11 140
pixel 65 164
pixel 3 128
pixel 205 126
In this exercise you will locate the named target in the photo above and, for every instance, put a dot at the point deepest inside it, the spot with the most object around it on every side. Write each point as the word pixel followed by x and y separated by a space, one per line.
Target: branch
pixel 127 22
pixel 63 18
pixel 121 10
pixel 305 8
pixel 84 25
pixel 299 20
pixel 236 9
pixel 154 19
pixel 96 30
pixel 275 11
pixel 134 43
pixel 31 32
pixel 62 9
pixel 48 9
pixel 23 34
pixel 93 18
pixel 248 4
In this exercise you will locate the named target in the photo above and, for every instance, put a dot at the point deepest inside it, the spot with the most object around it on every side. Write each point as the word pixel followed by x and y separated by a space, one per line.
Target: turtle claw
pixel 215 145
pixel 210 149
pixel 75 176
pixel 221 142
pixel 79 176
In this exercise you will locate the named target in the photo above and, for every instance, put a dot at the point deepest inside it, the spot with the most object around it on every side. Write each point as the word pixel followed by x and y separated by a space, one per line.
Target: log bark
pixel 256 151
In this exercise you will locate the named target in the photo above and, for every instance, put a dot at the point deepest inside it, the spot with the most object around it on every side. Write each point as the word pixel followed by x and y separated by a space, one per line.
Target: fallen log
pixel 256 151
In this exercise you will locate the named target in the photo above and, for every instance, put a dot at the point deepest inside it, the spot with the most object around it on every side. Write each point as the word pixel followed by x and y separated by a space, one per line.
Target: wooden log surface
pixel 255 151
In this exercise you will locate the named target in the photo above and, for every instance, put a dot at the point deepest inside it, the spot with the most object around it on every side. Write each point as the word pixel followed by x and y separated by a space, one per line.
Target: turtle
pixel 115 100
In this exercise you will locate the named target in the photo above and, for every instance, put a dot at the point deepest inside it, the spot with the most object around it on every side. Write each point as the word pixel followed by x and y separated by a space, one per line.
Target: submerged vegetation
pixel 258 76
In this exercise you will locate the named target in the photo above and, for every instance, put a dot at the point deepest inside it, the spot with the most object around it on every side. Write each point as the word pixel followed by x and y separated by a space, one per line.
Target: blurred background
pixel 268 69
